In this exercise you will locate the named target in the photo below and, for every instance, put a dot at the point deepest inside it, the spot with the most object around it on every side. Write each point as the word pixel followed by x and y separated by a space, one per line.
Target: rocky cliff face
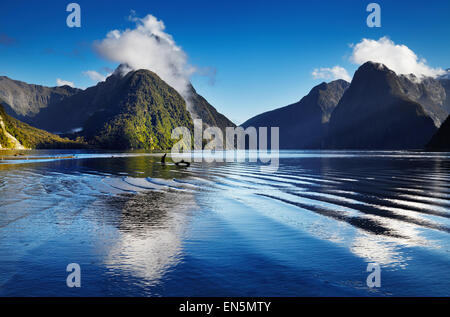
pixel 377 112
pixel 430 93
pixel 303 125
pixel 446 84
pixel 25 100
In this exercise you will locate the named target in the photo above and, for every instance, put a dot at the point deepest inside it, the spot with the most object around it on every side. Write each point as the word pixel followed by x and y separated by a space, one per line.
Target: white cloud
pixel 337 72
pixel 60 82
pixel 95 76
pixel 148 46
pixel 398 58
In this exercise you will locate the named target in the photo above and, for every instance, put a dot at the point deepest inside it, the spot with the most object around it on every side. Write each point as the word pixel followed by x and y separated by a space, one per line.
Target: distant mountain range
pixel 446 75
pixel 25 100
pixel 303 125
pixel 135 111
pixel 378 110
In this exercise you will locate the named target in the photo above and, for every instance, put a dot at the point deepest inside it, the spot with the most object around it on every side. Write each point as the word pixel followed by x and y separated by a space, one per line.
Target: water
pixel 138 228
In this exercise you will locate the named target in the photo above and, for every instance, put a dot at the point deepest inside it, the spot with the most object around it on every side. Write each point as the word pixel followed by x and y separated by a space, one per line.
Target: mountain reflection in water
pixel 138 228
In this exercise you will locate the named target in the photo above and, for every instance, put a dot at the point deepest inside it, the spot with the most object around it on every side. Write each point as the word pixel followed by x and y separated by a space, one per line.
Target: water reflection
pixel 227 228
pixel 151 227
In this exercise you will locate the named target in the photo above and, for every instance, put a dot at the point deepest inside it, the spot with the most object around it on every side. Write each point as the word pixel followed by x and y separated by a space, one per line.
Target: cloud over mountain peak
pixel 399 58
pixel 148 46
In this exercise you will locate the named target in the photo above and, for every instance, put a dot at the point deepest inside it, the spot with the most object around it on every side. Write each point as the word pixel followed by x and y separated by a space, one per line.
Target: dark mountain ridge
pixel 200 108
pixel 303 124
pixel 441 140
pixel 25 101
pixel 378 110
pixel 64 109
pixel 432 94
pixel 375 113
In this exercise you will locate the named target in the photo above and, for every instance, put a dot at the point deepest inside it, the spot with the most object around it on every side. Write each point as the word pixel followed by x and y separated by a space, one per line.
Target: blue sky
pixel 263 53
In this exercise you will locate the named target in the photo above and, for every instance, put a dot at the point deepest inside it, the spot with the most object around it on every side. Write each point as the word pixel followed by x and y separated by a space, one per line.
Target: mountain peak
pixel 446 75
pixel 375 67
pixel 122 70
pixel 381 110
pixel 303 124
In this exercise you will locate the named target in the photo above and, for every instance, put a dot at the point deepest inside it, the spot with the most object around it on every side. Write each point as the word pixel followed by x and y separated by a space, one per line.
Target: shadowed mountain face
pixel 445 82
pixel 441 140
pixel 432 94
pixel 375 113
pixel 72 113
pixel 446 75
pixel 200 108
pixel 303 124
pixel 25 101
pixel 17 135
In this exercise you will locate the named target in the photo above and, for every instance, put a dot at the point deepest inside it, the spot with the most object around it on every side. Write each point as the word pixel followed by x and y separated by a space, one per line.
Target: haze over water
pixel 138 228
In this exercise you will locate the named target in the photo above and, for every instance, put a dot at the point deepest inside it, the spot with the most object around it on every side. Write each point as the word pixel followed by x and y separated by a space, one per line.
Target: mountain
pixel 445 82
pixel 441 140
pixel 303 124
pixel 71 113
pixel 62 109
pixel 377 112
pixel 25 101
pixel 446 75
pixel 135 111
pixel 18 135
pixel 431 93
pixel 200 108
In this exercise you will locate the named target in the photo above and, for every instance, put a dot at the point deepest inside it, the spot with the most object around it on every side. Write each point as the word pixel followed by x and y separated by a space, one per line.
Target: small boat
pixel 183 163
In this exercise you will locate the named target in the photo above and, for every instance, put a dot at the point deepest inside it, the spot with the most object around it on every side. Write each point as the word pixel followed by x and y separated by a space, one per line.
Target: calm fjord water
pixel 138 228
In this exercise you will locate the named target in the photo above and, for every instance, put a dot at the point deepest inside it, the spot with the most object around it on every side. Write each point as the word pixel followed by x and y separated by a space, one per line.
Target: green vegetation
pixel 141 115
pixel 135 111
pixel 31 137
pixel 4 141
